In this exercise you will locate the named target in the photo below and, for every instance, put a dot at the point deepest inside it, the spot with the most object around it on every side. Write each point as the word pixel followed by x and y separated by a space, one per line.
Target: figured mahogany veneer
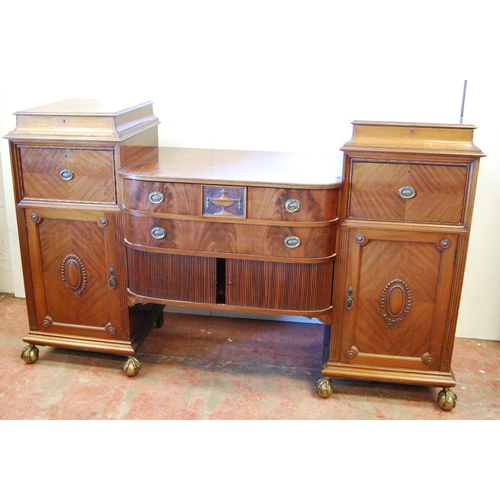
pixel 112 228
pixel 406 209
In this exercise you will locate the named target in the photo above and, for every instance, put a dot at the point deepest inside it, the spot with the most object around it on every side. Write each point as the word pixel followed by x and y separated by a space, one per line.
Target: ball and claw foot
pixel 447 399
pixel 132 366
pixel 324 387
pixel 30 354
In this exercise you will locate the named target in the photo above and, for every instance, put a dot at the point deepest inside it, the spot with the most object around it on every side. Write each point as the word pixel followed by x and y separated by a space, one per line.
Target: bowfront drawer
pixel 246 239
pixel 299 205
pixel 67 174
pixel 259 203
pixel 409 192
pixel 162 197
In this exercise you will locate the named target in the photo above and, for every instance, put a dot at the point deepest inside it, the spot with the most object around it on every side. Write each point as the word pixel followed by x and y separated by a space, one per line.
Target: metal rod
pixel 463 102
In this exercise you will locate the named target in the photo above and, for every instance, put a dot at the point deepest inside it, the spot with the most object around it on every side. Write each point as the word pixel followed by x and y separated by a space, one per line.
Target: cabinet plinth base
pixel 397 376
pixel 144 319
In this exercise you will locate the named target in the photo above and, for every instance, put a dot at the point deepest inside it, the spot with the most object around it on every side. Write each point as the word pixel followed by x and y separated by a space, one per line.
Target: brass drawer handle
pixel 292 241
pixel 407 192
pixel 293 205
pixel 158 233
pixel 156 197
pixel 66 174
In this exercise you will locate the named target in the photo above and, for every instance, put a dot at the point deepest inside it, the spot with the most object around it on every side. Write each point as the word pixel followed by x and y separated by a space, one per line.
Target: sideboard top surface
pixel 215 166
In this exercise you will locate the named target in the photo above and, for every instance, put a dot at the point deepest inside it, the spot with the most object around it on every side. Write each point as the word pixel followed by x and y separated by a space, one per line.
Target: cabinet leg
pixel 447 399
pixel 30 354
pixel 132 366
pixel 324 387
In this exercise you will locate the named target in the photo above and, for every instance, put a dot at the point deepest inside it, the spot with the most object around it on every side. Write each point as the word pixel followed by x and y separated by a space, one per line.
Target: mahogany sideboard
pixel 112 228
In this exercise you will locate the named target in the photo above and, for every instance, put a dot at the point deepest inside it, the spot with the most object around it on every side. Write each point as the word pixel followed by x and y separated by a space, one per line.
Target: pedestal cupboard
pixel 112 228
pixel 405 210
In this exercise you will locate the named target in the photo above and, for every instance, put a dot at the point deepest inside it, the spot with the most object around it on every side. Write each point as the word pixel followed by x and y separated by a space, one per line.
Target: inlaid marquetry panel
pixel 172 277
pixel 275 285
pixel 65 174
pixel 409 192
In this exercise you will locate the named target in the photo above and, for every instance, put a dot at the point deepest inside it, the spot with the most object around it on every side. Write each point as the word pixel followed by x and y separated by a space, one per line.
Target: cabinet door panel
pixel 73 259
pixel 399 285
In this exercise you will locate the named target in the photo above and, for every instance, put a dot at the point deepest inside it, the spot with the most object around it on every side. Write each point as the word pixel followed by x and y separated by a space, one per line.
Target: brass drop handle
pixel 158 233
pixel 292 241
pixel 407 192
pixel 350 301
pixel 293 205
pixel 112 279
pixel 66 174
pixel 156 197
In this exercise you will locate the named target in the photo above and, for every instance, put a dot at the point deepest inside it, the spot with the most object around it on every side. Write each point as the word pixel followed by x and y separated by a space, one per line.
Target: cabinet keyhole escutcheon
pixel 349 301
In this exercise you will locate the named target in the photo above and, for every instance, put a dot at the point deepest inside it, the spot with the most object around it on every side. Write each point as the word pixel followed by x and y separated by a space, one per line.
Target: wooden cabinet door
pixel 395 297
pixel 75 272
pixel 280 285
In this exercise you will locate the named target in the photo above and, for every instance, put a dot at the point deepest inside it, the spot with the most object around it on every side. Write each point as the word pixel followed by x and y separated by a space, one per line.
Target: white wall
pixel 271 75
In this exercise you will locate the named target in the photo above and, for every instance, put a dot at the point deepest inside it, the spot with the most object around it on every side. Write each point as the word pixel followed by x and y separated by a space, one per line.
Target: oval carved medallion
pixel 74 273
pixel 395 301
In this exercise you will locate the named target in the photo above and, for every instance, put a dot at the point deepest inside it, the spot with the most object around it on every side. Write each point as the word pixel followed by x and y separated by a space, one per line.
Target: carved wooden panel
pixel 85 175
pixel 277 285
pixel 172 277
pixel 401 281
pixel 411 192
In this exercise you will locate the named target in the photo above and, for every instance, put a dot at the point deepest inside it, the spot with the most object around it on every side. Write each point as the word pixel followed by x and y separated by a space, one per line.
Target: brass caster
pixel 447 399
pixel 30 354
pixel 324 387
pixel 132 366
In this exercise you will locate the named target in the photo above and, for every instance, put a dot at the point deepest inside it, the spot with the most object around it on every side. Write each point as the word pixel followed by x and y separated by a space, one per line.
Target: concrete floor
pixel 202 368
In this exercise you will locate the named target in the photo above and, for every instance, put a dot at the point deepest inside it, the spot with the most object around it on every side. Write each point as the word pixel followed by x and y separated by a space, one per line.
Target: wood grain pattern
pixel 172 277
pixel 418 244
pixel 93 172
pixel 276 285
pixel 224 238
pixel 440 192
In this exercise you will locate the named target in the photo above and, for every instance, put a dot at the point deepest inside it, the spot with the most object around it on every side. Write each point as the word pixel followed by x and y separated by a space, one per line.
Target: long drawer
pixel 262 203
pixel 232 238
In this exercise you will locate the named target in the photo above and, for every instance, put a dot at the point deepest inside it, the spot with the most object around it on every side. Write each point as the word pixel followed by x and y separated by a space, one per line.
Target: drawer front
pixel 65 174
pixel 246 239
pixel 428 193
pixel 162 197
pixel 299 205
